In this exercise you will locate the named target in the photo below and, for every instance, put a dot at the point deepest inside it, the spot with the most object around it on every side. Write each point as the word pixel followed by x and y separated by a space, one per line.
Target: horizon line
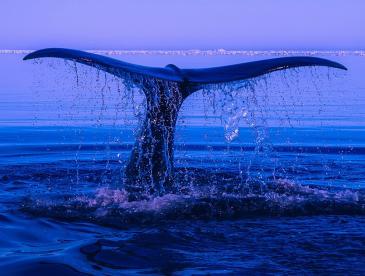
pixel 198 52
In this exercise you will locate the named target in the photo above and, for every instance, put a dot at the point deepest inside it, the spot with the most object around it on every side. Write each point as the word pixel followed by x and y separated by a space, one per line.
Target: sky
pixel 183 24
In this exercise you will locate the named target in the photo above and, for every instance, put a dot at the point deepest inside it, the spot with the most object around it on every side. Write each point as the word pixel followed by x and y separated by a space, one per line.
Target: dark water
pixel 285 196
pixel 63 208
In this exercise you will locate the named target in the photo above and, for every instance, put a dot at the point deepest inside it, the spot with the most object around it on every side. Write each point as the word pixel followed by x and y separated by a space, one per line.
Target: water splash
pixel 257 104
pixel 279 198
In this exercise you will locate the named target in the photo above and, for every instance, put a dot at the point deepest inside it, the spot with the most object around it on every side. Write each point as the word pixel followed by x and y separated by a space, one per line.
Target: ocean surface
pixel 270 172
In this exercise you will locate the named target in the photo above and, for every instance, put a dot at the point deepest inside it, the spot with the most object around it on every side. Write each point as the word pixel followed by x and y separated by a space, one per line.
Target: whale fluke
pixel 253 69
pixel 194 76
pixel 150 168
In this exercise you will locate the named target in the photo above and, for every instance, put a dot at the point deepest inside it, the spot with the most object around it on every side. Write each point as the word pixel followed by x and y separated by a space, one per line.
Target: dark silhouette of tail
pixel 150 169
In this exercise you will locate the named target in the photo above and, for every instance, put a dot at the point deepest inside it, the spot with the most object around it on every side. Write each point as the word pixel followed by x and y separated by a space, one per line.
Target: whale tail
pixel 192 77
pixel 150 168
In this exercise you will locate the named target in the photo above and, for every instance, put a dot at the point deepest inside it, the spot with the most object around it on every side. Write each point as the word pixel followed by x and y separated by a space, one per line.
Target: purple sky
pixel 182 24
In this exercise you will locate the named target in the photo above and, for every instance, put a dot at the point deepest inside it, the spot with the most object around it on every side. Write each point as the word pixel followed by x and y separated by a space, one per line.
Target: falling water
pixel 245 114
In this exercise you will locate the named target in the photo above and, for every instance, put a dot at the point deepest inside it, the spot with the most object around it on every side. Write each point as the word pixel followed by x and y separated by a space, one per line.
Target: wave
pixel 113 207
pixel 23 149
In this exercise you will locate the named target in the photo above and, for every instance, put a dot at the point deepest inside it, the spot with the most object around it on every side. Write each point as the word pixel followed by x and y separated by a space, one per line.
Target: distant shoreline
pixel 216 52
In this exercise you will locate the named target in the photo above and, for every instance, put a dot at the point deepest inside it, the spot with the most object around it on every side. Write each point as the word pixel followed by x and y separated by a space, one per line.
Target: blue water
pixel 286 195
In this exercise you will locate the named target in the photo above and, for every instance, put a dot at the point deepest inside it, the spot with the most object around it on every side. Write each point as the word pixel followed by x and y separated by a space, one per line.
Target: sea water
pixel 270 171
